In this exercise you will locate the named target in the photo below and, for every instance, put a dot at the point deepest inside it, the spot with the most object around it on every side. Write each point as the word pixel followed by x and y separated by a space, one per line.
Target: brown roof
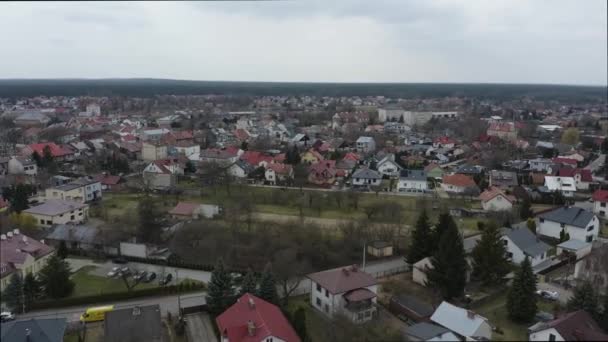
pixel 493 192
pixel 184 208
pixel 359 295
pixel 459 180
pixel 341 280
pixel 577 326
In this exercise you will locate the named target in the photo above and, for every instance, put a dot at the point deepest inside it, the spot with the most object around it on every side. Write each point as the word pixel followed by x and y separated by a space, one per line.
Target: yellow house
pixel 311 157
pixel 59 212
pixel 21 254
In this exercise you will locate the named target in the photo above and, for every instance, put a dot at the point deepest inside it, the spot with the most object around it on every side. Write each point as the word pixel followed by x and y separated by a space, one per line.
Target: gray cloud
pixel 541 41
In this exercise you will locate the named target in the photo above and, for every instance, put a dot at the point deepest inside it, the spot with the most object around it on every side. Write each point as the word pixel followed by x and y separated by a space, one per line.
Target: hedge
pixel 118 296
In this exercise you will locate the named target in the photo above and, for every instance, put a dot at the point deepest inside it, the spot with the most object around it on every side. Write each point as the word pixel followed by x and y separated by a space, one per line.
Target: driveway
pixel 199 328
pixel 564 294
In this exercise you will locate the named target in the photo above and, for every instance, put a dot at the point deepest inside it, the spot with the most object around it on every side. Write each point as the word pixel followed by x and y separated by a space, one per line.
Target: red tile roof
pixel 570 172
pixel 459 180
pixel 342 280
pixel 241 134
pixel 265 317
pixel 56 151
pixel 493 192
pixel 502 127
pixel 600 196
pixel 184 208
pixel 283 169
pixel 559 160
pixel 351 156
pixel 444 140
pixel 359 295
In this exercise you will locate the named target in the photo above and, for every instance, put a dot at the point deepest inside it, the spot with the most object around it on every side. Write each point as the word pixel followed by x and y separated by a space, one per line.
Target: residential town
pixel 303 218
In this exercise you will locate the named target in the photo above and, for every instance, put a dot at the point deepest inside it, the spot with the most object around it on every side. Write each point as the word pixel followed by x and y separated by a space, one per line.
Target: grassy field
pixel 88 284
pixel 496 311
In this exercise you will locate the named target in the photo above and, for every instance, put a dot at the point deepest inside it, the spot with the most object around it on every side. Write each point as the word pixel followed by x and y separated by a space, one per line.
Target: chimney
pixel 42 241
pixel 9 235
pixel 3 237
pixel 24 238
pixel 345 271
pixel 16 231
pixel 136 311
pixel 355 268
pixel 250 328
pixel 470 314
pixel 251 303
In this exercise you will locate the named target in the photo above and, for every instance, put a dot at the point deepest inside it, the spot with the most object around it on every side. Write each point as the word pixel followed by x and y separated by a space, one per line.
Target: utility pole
pixel 179 301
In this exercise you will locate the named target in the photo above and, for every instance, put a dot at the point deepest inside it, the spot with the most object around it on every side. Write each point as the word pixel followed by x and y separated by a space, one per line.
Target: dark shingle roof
pixel 416 175
pixel 425 331
pixel 525 240
pixel 421 308
pixel 342 280
pixel 41 330
pixel 367 174
pixel 133 324
pixel 573 216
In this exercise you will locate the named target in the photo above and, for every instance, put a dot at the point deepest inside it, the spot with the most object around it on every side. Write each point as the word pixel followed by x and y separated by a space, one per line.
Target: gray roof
pixel 367 174
pixel 33 116
pixel 573 216
pixel 503 178
pixel 412 303
pixel 74 233
pixel 41 330
pixel 141 323
pixel 470 242
pixel 365 139
pixel 458 319
pixel 573 244
pixel 54 207
pixel 525 240
pixel 416 175
pixel 469 169
pixel 425 331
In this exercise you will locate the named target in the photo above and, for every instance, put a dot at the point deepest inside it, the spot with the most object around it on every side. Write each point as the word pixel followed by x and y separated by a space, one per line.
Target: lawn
pixel 88 284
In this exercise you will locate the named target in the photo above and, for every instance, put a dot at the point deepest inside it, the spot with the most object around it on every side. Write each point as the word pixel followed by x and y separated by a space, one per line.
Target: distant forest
pixel 16 88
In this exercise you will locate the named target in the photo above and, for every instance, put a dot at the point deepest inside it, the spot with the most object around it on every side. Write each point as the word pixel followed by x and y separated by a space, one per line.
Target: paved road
pixel 167 303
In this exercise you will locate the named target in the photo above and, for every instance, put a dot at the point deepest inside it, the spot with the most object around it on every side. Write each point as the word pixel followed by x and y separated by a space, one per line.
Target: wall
pixel 552 229
pixel 137 250
pixel 497 203
pixel 543 335
pixel 80 215
pixel 405 184
pixel 599 210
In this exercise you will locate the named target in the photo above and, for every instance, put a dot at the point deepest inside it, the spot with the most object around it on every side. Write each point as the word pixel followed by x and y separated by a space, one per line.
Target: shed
pixel 410 309
pixel 380 249
pixel 576 247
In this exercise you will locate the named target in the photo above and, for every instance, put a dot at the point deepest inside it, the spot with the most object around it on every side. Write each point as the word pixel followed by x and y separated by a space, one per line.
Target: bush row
pixel 118 296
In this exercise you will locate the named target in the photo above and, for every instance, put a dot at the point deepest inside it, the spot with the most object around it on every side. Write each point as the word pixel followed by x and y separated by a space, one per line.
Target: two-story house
pixel 565 185
pixel 579 223
pixel 82 190
pixel 366 177
pixel 57 211
pixel 412 181
pixel 388 167
pixel 582 177
pixel 162 174
pixel 348 291
pixel 22 255
pixel 521 243
pixel 600 203
pixel 573 326
pixel 365 144
pixel 22 166
pixel 278 173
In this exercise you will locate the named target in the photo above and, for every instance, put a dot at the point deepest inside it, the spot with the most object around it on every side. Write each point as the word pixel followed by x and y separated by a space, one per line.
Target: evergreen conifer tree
pixel 13 293
pixel 445 222
pixel 449 267
pixel 422 240
pixel 490 264
pixel 585 298
pixel 268 288
pixel 249 284
pixel 55 278
pixel 31 289
pixel 62 250
pixel 521 300
pixel 220 293
pixel 299 324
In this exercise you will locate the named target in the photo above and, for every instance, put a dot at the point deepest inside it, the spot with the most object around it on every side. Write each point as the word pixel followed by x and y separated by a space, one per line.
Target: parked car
pixel 166 280
pixel 141 275
pixel 114 272
pixel 550 295
pixel 119 260
pixel 6 316
pixel 125 271
pixel 149 277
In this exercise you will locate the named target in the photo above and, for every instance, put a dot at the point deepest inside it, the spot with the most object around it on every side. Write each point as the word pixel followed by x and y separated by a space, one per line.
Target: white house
pixel 565 185
pixel 419 270
pixel 348 291
pixel 425 331
pixel 162 174
pixel 521 243
pixel 388 167
pixel 540 164
pixel 366 144
pixel 81 190
pixel 463 322
pixel 600 206
pixel 458 183
pixel 573 326
pixel 493 199
pixel 240 169
pixel 412 181
pixel 278 172
pixel 366 177
pixel 579 223
pixel 22 166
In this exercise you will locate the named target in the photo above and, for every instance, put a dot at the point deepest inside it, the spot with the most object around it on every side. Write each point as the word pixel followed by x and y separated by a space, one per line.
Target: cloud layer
pixel 512 41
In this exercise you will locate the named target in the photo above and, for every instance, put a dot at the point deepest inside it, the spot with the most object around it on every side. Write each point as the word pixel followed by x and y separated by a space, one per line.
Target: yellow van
pixel 96 314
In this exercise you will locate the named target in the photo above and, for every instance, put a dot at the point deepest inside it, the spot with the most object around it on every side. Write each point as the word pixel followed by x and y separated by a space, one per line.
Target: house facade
pixel 600 203
pixel 565 185
pixel 458 183
pixel 521 243
pixel 22 166
pixel 22 255
pixel 412 181
pixel 365 144
pixel 388 167
pixel 153 151
pixel 493 199
pixel 366 177
pixel 348 291
pixel 81 190
pixel 56 211
pixel 579 223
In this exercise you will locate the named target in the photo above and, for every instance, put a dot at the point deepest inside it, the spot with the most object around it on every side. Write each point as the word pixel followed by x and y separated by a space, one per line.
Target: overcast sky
pixel 512 41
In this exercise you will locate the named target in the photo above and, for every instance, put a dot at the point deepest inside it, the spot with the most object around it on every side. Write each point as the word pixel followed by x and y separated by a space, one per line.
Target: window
pixel 589 238
pixel 72 217
pixel 41 221
pixel 603 204
pixel 319 288
pixel 509 255
pixel 590 228
pixel 269 339
pixel 360 316
pixel 551 337
pixel 563 225
pixel 326 308
pixel 49 222
pixel 318 301
pixel 326 293
pixel 542 220
pixel 505 242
